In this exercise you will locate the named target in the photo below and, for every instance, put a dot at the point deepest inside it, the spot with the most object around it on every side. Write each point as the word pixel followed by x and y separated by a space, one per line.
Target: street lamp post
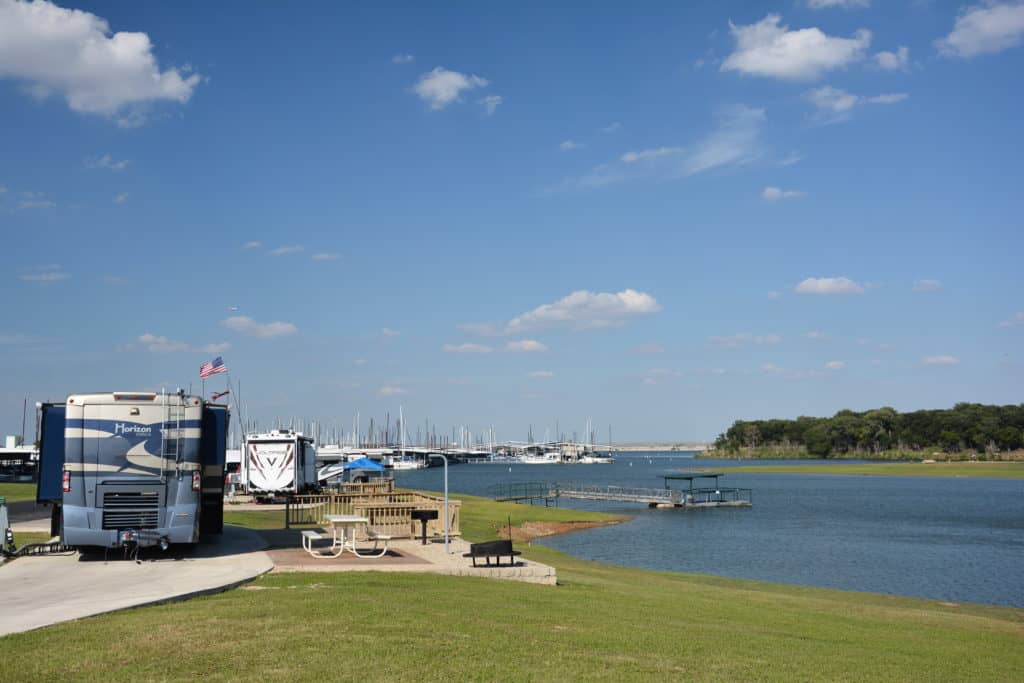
pixel 445 503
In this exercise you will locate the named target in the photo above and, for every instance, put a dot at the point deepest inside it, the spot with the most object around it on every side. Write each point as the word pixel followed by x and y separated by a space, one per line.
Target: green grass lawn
pixel 254 519
pixel 25 537
pixel 17 492
pixel 600 623
pixel 999 470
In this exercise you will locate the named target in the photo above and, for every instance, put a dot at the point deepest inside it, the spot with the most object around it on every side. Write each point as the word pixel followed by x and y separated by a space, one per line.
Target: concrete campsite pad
pixel 37 591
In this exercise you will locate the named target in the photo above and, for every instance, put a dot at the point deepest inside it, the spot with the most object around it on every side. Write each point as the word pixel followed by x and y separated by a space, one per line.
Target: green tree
pixel 818 441
pixel 949 441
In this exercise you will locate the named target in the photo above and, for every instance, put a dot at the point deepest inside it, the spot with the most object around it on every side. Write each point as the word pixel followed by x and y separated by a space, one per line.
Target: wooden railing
pixel 375 486
pixel 389 513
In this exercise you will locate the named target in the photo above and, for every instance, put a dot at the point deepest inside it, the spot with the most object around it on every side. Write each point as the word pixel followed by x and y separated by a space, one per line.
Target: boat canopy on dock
pixel 691 476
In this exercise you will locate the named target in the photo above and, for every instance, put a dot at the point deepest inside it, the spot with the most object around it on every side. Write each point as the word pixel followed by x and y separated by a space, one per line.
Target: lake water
pixel 956 539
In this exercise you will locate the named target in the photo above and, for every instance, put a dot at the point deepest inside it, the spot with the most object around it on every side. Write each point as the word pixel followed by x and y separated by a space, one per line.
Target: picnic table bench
pixel 495 549
pixel 343 541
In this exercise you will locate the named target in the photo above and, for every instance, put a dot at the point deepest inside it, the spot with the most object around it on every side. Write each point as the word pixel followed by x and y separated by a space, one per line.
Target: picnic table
pixel 343 537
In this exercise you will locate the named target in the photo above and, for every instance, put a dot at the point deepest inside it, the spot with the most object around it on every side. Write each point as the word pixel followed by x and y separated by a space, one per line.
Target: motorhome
pixel 132 468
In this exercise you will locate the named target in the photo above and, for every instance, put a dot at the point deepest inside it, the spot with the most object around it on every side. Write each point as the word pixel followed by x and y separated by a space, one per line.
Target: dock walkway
pixel 549 493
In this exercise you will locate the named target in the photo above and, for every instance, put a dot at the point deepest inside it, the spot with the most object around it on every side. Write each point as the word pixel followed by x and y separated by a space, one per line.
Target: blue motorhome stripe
pixel 108 425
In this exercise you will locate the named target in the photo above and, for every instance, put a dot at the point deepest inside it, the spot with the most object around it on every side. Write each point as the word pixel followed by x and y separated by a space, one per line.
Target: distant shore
pixel 663 447
pixel 773 453
pixel 992 470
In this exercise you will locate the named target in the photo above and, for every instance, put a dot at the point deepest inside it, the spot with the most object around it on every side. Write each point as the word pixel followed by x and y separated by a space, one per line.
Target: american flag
pixel 214 367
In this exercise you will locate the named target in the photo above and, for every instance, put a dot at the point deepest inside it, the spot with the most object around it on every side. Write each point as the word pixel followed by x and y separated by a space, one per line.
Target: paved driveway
pixel 39 591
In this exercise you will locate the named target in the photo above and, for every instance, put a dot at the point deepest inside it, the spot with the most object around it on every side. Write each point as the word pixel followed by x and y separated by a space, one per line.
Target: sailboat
pixel 404 461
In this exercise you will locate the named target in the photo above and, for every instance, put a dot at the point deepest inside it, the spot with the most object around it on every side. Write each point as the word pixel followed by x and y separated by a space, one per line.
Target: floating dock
pixel 693 497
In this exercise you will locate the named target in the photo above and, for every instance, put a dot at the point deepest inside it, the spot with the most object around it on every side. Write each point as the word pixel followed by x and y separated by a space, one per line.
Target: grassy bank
pixel 894 455
pixel 997 470
pixel 601 623
pixel 17 492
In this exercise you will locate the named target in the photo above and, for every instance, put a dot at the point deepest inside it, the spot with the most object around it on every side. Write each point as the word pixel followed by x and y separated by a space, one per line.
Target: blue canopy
pixel 364 464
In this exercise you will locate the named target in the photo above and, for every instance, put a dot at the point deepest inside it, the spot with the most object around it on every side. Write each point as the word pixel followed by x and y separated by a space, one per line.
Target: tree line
pixel 966 427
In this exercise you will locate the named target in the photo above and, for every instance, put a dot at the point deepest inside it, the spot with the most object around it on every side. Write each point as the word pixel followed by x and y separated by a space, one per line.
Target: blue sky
pixel 661 217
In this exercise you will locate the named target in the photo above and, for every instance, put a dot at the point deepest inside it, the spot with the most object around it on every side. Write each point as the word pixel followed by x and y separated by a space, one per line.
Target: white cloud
pixel 325 256
pixel 737 341
pixel 121 198
pixel 649 347
pixel 734 141
pixel 773 194
pixel 599 176
pixel 834 99
pixel 246 325
pixel 35 200
pixel 359 361
pixel 388 332
pixel 160 344
pixel 985 29
pixel 583 310
pixel 107 162
pixel 774 294
pixel 72 53
pixel 440 87
pixel 835 104
pixel 829 285
pixel 846 4
pixel 649 154
pixel 611 127
pixel 567 145
pixel 927 285
pixel 889 98
pixel 836 365
pixel 817 336
pixel 542 373
pixel 53 276
pixel 894 61
pixel 391 391
pixel 466 348
pixel 403 58
pixel 773 51
pixel 252 245
pixel 525 346
pixel 288 249
pixel 1014 320
pixel 791 158
pixel 37 204
pixel 940 360
pixel 16 338
pixel 491 103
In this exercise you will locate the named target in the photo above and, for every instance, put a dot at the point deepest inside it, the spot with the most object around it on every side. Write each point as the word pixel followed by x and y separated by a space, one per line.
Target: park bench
pixel 495 549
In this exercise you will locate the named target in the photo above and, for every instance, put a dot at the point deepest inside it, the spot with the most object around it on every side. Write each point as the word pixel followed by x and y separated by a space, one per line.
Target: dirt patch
pixel 531 530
